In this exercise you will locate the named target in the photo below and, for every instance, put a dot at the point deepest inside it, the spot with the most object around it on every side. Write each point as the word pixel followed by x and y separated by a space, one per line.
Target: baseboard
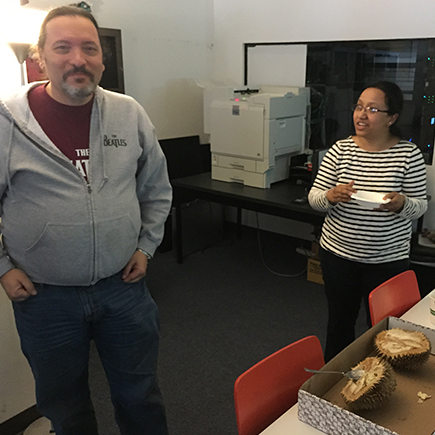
pixel 19 422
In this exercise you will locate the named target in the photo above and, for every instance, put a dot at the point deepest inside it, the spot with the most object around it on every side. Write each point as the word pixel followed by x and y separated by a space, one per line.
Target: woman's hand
pixel 396 204
pixel 340 193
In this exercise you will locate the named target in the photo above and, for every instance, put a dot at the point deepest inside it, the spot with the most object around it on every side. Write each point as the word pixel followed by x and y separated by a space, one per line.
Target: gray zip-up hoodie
pixel 61 229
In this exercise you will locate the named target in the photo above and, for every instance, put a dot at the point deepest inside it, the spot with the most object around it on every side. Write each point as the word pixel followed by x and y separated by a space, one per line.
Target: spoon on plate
pixel 351 374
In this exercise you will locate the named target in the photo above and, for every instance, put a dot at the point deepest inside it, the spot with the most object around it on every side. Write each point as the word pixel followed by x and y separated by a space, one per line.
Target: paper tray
pixel 321 405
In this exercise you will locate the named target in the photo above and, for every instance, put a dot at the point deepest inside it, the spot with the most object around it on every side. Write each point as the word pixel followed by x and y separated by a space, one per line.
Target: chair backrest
pixel 269 388
pixel 394 297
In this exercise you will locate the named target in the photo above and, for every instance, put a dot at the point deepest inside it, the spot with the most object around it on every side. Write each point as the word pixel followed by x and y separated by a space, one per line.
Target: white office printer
pixel 254 132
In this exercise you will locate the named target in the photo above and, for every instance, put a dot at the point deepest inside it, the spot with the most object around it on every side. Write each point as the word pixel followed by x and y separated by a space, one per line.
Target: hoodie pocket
pixel 116 241
pixel 62 254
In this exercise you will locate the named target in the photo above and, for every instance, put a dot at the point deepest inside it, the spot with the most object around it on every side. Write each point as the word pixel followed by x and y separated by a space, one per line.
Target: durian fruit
pixel 403 349
pixel 374 387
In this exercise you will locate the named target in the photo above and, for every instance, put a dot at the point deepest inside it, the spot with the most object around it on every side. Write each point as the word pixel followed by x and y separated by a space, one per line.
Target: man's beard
pixel 79 93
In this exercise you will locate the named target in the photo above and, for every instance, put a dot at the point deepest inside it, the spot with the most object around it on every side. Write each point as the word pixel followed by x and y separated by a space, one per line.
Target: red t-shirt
pixel 66 126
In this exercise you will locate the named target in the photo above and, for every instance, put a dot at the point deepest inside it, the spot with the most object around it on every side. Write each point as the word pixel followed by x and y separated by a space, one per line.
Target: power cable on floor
pixel 264 263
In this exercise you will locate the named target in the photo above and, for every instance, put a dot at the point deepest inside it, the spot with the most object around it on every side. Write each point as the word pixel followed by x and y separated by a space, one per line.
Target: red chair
pixel 394 297
pixel 269 388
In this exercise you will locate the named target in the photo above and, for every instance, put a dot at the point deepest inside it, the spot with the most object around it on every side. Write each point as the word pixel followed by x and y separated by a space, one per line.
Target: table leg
pixel 239 223
pixel 178 234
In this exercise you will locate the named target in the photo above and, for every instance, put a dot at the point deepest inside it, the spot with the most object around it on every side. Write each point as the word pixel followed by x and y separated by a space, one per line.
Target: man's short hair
pixel 70 11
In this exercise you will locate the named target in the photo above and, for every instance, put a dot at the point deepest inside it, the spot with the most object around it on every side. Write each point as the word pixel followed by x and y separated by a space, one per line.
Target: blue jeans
pixel 56 327
pixel 346 284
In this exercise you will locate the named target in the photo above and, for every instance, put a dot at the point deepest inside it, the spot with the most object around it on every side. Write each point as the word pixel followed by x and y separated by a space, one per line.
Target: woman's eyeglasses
pixel 359 108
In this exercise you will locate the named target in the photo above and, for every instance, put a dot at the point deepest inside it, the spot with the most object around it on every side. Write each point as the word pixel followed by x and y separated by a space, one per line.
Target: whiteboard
pixel 276 65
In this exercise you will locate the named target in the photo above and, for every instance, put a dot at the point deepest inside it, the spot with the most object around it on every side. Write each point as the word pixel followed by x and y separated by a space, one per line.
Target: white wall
pixel 243 21
pixel 166 46
pixel 16 380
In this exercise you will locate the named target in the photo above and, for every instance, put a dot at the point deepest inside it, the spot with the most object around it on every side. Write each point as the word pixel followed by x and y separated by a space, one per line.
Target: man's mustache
pixel 80 69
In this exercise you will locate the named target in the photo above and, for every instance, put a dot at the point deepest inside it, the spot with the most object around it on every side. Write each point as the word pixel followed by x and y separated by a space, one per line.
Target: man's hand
pixel 17 285
pixel 340 193
pixel 136 267
pixel 396 204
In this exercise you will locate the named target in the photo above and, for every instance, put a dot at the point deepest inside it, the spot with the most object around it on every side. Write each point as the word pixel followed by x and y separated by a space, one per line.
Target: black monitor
pixel 113 76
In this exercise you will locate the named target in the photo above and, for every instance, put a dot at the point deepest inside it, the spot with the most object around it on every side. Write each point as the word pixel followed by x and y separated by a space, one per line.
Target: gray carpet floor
pixel 224 309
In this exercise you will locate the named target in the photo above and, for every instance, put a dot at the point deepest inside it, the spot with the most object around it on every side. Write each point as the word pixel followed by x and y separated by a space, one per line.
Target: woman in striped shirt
pixel 361 248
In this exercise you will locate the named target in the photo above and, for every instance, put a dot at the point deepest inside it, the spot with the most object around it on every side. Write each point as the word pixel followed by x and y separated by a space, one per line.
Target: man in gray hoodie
pixel 84 194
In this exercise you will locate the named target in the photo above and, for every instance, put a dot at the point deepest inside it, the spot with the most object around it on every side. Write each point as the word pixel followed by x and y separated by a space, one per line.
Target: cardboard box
pixel 321 404
pixel 314 270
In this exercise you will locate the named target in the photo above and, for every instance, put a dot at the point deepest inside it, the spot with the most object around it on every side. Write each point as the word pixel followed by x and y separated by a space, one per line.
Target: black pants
pixel 346 283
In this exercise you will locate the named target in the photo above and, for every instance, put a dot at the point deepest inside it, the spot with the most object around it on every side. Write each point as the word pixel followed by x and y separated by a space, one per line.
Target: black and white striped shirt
pixel 370 236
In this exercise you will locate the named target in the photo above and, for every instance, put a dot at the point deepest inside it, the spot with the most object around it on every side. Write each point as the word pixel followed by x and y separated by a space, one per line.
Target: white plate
pixel 370 199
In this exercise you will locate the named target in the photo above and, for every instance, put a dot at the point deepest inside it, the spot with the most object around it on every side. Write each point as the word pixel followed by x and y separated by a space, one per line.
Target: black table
pixel 279 200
